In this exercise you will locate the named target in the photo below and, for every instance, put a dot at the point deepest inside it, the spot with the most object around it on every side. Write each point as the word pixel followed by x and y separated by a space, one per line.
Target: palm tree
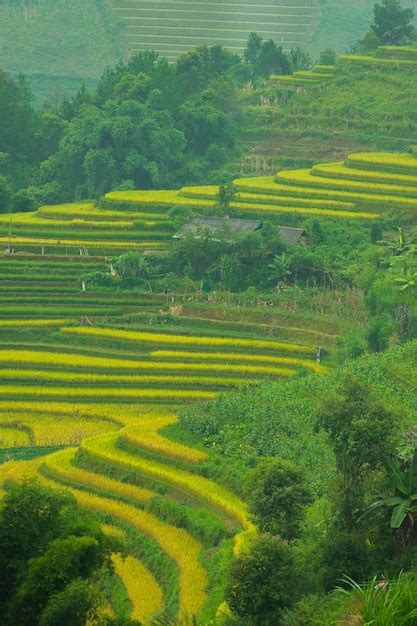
pixel 403 504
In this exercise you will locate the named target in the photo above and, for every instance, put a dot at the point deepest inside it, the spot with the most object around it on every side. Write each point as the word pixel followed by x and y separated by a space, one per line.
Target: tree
pixel 327 57
pixel 378 333
pixel 408 282
pixel 24 201
pixel 226 194
pixel 272 60
pixel 392 23
pixel 31 517
pixel 5 194
pixel 263 582
pixel 299 59
pixel 253 49
pixel 361 430
pixel 132 267
pixel 376 232
pixel 77 604
pixel 402 478
pixel 277 495
pixel 64 561
pixel 265 57
pixel 46 543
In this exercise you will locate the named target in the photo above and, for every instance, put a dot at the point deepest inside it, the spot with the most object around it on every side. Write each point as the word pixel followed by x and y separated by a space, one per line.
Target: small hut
pixel 293 236
pixel 206 226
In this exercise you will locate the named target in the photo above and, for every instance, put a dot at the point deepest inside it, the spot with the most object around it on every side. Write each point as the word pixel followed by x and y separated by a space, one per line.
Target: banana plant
pixel 403 504
pixel 409 282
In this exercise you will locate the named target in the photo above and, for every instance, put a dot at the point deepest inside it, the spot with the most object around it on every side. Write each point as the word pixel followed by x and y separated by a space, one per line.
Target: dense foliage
pixel 50 553
pixel 364 411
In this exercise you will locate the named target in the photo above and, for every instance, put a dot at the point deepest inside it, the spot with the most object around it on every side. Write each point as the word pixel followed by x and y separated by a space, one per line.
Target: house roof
pixel 290 235
pixel 199 225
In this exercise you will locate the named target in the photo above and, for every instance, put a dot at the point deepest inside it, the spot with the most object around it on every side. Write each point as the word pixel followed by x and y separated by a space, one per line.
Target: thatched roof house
pixel 292 236
pixel 202 225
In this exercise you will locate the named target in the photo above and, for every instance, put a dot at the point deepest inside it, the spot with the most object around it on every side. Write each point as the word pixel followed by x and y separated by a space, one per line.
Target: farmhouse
pixel 209 225
pixel 203 226
pixel 293 236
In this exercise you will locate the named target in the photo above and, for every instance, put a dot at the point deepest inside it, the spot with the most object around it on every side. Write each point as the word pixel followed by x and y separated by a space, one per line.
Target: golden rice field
pixel 143 590
pixel 115 411
pixel 109 395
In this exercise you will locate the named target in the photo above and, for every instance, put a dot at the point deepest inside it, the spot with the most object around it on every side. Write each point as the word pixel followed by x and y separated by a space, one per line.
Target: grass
pixel 395 604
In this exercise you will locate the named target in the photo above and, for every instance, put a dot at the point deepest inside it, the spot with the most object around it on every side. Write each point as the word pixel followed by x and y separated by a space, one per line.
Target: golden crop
pixel 236 356
pixel 339 170
pixel 368 190
pixel 38 322
pixel 142 588
pixel 183 549
pixel 73 377
pixel 103 392
pixel 145 435
pixel 385 160
pixel 105 448
pixel 150 337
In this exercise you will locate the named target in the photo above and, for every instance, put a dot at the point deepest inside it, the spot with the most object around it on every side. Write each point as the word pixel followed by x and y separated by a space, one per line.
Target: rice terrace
pixel 208 316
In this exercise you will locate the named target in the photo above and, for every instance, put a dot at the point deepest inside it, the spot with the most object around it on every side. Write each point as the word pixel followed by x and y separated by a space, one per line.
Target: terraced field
pixel 96 405
pixel 363 187
pixel 330 111
pixel 173 27
pixel 113 392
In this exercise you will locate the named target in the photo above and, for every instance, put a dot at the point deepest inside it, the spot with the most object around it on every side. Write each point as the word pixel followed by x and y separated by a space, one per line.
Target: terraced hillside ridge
pixel 174 27
pixel 133 478
pixel 113 393
pixel 92 405
pixel 285 124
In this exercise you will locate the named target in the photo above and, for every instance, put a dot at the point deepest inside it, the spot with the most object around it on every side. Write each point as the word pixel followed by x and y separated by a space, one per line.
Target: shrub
pixel 24 201
pixel 263 582
pixel 378 334
pixel 277 496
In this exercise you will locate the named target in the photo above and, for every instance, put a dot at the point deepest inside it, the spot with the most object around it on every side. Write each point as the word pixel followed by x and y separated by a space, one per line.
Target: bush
pixel 5 195
pixel 24 201
pixel 378 334
pixel 263 582
pixel 277 496
pixel 327 57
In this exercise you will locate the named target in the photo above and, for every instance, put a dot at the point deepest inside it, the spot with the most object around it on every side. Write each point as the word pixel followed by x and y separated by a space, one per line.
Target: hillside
pixel 94 373
pixel 34 41
pixel 176 27
pixel 98 33
pixel 308 117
